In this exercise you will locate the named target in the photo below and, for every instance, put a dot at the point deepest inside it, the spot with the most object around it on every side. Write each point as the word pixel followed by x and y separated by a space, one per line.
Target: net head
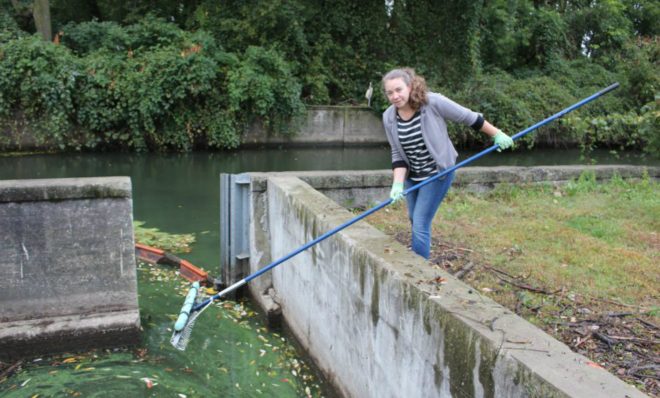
pixel 181 339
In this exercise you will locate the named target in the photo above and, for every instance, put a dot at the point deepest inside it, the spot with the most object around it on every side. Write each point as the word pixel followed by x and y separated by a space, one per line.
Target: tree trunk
pixel 41 13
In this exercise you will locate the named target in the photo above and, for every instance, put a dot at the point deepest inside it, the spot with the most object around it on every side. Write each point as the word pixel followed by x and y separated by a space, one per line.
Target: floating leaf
pixel 148 382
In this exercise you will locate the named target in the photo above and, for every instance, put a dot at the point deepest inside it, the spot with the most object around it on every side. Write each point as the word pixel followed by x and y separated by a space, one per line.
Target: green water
pixel 231 353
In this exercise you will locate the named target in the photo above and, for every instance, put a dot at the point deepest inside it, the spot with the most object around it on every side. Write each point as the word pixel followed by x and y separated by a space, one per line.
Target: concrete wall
pixel 365 188
pixel 325 125
pixel 375 322
pixel 67 265
pixel 321 125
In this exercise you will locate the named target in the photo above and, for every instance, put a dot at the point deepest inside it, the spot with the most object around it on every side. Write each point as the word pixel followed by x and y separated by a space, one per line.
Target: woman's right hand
pixel 502 140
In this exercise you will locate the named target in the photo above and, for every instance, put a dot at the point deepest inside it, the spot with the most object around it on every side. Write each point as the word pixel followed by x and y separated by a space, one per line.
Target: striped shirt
pixel 421 164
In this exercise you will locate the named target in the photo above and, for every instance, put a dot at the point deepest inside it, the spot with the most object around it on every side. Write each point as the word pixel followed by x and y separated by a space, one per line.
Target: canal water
pixel 232 353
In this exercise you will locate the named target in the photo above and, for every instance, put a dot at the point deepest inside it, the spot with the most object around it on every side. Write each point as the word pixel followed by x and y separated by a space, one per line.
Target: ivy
pixel 148 86
pixel 203 72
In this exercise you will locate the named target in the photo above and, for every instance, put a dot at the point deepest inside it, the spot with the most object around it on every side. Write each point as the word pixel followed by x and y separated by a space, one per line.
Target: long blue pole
pixel 407 191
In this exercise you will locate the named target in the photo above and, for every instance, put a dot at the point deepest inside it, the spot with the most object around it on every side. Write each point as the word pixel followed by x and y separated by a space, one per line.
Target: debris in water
pixel 148 382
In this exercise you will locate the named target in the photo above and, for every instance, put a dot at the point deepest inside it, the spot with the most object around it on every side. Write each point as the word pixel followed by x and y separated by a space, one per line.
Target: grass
pixel 596 240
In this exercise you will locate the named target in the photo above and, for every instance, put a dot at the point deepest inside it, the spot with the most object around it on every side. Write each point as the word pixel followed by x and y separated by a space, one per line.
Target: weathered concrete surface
pixel 325 125
pixel 67 265
pixel 375 322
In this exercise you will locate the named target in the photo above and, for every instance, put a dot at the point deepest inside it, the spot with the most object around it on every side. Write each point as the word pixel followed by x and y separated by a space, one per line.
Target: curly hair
pixel 417 83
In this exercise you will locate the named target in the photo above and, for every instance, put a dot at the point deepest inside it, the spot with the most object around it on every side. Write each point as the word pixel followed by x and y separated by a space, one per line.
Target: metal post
pixel 234 227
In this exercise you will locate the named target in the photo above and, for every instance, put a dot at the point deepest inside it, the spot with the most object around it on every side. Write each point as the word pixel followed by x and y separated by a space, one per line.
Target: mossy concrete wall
pixel 320 125
pixel 376 321
pixel 67 265
pixel 324 126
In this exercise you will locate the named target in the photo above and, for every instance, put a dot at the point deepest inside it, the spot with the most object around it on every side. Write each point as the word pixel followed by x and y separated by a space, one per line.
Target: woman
pixel 416 128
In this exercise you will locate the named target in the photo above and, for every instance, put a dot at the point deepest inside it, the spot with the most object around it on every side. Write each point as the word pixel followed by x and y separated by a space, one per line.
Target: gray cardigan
pixel 434 129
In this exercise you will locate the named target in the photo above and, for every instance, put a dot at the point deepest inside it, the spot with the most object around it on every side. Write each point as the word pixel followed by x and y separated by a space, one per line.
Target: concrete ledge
pixel 69 333
pixel 353 188
pixel 324 126
pixel 377 323
pixel 67 265
pixel 64 188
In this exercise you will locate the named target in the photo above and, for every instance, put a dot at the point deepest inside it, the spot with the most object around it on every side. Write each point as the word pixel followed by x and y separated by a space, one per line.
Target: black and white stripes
pixel 421 164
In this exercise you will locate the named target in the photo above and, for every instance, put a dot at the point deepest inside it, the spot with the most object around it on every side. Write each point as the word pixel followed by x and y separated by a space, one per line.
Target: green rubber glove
pixel 397 191
pixel 502 140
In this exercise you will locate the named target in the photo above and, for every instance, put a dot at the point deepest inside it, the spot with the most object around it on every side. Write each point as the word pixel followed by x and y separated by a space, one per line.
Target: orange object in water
pixel 187 270
pixel 148 253
pixel 192 273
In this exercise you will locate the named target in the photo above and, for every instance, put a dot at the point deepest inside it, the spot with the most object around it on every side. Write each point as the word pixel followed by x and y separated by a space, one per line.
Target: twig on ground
pixel 620 314
pixel 582 341
pixel 633 339
pixel 643 309
pixel 525 349
pixel 463 271
pixel 499 271
pixel 519 285
pixel 10 369
pixel 636 369
pixel 604 338
pixel 647 323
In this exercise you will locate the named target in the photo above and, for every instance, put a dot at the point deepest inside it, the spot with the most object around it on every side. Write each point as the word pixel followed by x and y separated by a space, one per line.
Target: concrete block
pixel 67 265
pixel 377 325
pixel 323 126
pixel 363 126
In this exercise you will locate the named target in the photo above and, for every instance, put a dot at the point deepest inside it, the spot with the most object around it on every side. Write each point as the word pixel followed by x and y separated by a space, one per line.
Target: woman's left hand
pixel 502 140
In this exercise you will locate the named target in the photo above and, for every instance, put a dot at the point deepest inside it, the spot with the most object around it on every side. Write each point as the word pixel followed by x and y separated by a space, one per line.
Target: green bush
pixel 264 83
pixel 88 37
pixel 512 105
pixel 132 80
pixel 8 28
pixel 40 80
pixel 148 86
pixel 634 129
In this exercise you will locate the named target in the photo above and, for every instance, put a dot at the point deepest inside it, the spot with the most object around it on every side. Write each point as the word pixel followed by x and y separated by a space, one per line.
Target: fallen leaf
pixel 148 382
pixel 594 365
pixel 518 341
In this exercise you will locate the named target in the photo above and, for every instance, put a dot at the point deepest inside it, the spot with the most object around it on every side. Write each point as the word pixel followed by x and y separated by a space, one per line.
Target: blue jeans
pixel 423 203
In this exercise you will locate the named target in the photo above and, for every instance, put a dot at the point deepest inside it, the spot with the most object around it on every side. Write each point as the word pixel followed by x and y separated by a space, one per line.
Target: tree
pixel 40 10
pixel 41 14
